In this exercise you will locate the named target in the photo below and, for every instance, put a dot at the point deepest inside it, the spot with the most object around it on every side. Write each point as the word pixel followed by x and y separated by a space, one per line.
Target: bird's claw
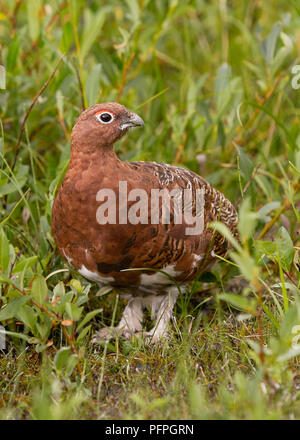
pixel 108 333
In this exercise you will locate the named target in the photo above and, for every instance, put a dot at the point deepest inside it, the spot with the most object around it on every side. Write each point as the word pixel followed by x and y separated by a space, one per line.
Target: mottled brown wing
pixel 169 245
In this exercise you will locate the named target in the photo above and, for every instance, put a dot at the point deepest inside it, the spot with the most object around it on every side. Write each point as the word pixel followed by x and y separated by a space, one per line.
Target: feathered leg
pixel 162 309
pixel 130 323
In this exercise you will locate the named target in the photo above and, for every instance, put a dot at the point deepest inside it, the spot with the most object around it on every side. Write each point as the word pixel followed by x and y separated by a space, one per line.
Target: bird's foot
pixel 153 336
pixel 108 333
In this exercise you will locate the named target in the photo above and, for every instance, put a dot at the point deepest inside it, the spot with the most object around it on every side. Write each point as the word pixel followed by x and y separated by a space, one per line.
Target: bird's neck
pixel 85 156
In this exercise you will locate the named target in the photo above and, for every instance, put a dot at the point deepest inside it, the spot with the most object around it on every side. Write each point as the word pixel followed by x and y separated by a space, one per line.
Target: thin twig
pixel 32 47
pixel 56 15
pixel 73 348
pixel 62 123
pixel 181 148
pixel 29 110
pixel 290 278
pixel 14 16
pixel 52 315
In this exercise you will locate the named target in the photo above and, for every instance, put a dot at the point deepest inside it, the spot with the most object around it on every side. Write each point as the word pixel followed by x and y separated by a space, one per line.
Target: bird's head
pixel 103 124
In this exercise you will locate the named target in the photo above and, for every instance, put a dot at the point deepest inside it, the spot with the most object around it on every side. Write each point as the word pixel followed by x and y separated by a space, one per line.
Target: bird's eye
pixel 105 117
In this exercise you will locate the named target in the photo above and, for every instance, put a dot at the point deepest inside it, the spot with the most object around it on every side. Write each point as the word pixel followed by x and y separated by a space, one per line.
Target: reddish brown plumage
pixel 102 252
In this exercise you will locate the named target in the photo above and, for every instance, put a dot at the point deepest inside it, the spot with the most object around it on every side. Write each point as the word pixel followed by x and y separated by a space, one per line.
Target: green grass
pixel 209 78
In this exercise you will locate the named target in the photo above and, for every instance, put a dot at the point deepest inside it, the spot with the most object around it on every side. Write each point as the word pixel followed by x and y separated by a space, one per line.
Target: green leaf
pixel 39 289
pixel 104 290
pixel 5 279
pixel 16 335
pixel 40 347
pixel 83 333
pixel 239 302
pixel 59 289
pixel 285 248
pixel 12 187
pixel 282 54
pixel 266 209
pixel 76 284
pixel 246 265
pixel 33 9
pixel 290 354
pixel 44 327
pixel 66 361
pixel 82 300
pixel 27 315
pixel 246 165
pixel 265 185
pixel 88 317
pixel 4 251
pixel 291 318
pixel 266 247
pixel 92 27
pixel 93 85
pixel 67 37
pixel 12 54
pixel 71 364
pixel 12 308
pixel 134 8
pixel 73 311
pixel 269 44
pixel 74 10
pixel 25 263
pixel 247 220
pixel 222 80
pixel 61 357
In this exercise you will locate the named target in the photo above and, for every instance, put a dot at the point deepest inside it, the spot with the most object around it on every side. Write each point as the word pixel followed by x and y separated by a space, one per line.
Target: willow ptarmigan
pixel 110 216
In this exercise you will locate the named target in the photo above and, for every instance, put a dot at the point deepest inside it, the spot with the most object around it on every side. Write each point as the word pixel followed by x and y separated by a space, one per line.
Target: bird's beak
pixel 134 120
